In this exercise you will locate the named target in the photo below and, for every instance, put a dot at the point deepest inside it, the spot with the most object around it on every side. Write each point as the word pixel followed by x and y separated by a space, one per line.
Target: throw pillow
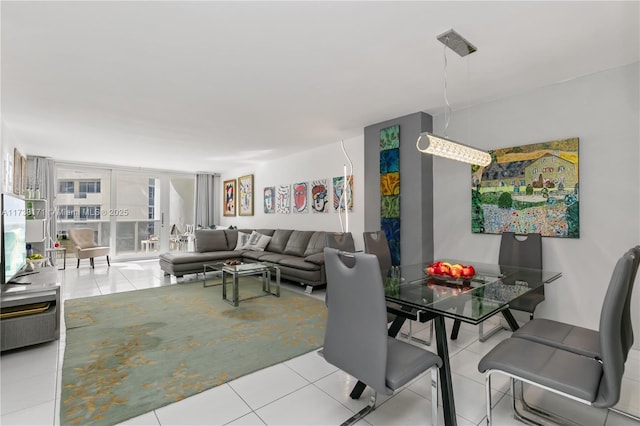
pixel 257 241
pixel 242 240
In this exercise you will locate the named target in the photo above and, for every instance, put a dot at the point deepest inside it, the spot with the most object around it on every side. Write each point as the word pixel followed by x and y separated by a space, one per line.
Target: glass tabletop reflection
pixel 471 299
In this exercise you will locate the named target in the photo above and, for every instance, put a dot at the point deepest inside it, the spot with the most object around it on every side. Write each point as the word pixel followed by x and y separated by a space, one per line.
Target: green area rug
pixel 129 353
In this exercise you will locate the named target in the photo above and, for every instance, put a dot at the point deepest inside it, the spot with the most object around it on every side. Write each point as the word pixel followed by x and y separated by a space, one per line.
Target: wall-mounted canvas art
pixel 300 197
pixel 390 189
pixel 269 199
pixel 319 196
pixel 229 201
pixel 339 197
pixel 19 171
pixel 528 188
pixel 283 200
pixel 245 186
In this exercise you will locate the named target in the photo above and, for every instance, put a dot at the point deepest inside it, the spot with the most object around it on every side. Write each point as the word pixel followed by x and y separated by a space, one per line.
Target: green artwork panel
pixel 390 138
pixel 390 207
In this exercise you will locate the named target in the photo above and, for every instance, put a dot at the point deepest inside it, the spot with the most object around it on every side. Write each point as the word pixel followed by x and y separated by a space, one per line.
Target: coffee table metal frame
pixel 244 269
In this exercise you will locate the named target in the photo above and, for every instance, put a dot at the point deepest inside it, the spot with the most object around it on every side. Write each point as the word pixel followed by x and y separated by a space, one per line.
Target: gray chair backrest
pixel 340 240
pixel 627 326
pixel 611 346
pixel 355 337
pixel 376 243
pixel 520 251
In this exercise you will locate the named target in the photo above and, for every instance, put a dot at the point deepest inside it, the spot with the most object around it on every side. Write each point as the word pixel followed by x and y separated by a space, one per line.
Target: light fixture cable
pixel 345 187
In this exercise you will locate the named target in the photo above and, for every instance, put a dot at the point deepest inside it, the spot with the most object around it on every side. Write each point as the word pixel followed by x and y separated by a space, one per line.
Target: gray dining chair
pixel 580 340
pixel 591 381
pixel 341 241
pixel 376 243
pixel 356 339
pixel 523 251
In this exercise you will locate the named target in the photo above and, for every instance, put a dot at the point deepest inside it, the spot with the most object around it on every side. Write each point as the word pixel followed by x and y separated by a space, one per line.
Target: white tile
pixel 20 364
pixel 465 363
pixel 338 386
pixel 469 398
pixel 41 414
pixel 311 366
pixel 564 407
pixel 629 397
pixel 250 419
pixel 267 385
pixel 30 392
pixel 308 406
pixel 148 419
pixel 403 408
pixel 218 405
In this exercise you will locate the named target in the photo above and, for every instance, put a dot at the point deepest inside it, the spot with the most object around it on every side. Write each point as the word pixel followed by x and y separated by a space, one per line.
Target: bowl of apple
pixel 448 270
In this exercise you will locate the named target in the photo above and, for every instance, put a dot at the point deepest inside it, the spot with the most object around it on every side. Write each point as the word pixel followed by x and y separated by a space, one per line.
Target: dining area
pixel 539 355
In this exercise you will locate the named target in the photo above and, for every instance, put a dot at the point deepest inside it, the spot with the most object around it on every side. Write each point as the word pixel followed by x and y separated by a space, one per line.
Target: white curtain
pixel 206 196
pixel 42 172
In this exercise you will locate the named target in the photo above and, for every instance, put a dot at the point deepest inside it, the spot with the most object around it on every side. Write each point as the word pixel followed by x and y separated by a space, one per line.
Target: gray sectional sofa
pixel 298 254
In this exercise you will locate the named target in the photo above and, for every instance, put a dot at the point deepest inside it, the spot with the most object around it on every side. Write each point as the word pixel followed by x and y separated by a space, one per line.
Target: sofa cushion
pixel 297 243
pixel 316 243
pixel 242 240
pixel 317 258
pixel 254 255
pixel 210 240
pixel 299 263
pixel 257 241
pixel 178 258
pixel 279 240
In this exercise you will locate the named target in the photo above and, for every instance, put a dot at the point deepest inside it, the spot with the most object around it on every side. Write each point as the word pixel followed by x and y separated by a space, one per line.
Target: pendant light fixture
pixel 442 146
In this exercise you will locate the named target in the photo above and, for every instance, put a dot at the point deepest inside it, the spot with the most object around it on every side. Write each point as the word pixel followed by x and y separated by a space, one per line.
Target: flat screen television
pixel 14 237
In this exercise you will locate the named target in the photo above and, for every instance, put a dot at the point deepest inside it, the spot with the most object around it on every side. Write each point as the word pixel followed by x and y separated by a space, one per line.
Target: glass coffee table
pixel 241 270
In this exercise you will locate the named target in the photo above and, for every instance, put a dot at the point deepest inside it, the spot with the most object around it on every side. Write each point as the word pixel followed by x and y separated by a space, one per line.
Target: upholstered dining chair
pixel 591 381
pixel 580 340
pixel 85 246
pixel 341 241
pixel 523 251
pixel 356 339
pixel 376 243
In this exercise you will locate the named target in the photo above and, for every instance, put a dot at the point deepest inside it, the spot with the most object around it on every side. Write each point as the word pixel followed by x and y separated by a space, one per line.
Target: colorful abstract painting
pixel 269 199
pixel 283 200
pixel 390 189
pixel 300 197
pixel 245 188
pixel 339 194
pixel 319 196
pixel 229 200
pixel 528 188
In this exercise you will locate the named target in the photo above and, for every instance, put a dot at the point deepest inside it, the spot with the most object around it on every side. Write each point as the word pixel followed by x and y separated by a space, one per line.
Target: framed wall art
pixel 229 200
pixel 269 199
pixel 528 188
pixel 300 197
pixel 283 200
pixel 245 189
pixel 19 170
pixel 319 196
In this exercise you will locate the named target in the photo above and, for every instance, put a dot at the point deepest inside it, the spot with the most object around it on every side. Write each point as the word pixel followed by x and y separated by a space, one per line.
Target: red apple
pixel 468 271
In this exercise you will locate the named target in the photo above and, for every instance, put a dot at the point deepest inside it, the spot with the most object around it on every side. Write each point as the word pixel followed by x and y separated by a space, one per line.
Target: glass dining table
pixel 419 296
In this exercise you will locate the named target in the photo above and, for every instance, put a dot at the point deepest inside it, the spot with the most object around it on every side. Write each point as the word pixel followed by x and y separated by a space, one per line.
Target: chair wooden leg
pixel 78 265
pixel 108 263
pixel 92 264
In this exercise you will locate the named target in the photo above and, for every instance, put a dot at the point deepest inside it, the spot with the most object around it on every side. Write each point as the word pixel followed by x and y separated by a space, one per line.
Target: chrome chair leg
pixel 483 337
pixel 366 410
pixel 434 396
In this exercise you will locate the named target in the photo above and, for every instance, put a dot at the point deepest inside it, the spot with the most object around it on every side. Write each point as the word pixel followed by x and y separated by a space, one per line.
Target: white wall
pixel 603 111
pixel 324 162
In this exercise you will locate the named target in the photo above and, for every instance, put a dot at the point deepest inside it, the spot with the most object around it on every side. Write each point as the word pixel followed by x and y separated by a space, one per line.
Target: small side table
pixel 58 250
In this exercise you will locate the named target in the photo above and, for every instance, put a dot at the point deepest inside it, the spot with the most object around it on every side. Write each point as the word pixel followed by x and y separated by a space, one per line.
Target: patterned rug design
pixel 130 353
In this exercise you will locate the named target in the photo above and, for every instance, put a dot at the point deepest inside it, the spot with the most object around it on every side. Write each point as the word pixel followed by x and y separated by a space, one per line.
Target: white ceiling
pixel 209 86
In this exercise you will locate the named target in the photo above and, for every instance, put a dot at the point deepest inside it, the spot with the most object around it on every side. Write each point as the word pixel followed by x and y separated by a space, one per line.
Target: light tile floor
pixel 303 391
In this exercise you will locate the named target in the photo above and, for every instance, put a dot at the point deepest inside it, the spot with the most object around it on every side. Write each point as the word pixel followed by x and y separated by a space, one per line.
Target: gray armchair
pixel 588 380
pixel 356 339
pixel 85 246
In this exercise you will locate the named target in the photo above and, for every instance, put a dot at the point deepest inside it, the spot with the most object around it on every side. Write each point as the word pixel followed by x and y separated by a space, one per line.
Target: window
pixel 65 187
pixel 89 212
pixel 65 211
